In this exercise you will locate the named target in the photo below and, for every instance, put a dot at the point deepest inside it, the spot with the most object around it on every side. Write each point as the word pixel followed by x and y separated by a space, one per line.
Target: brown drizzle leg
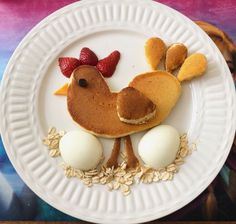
pixel 112 161
pixel 132 160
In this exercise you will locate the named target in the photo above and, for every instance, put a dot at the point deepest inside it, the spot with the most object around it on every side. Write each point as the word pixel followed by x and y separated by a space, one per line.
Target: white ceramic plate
pixel 206 110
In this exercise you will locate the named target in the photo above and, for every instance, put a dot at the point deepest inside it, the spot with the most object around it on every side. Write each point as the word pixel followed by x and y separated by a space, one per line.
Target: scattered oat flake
pixel 110 186
pixel 95 180
pixel 144 180
pixel 171 168
pixel 52 130
pixel 165 175
pixel 183 153
pixel 128 175
pixel 124 188
pixel 90 184
pixel 179 161
pixel 193 146
pixel 126 193
pixel 161 170
pixel 121 173
pixel 103 180
pixel 171 176
pixel 129 182
pixel 156 179
pixel 123 166
pixel 101 174
pixel 54 153
pixel 122 180
pixel 116 185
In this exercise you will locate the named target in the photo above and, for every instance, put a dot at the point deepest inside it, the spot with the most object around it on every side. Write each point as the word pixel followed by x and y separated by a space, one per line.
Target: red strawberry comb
pixel 106 65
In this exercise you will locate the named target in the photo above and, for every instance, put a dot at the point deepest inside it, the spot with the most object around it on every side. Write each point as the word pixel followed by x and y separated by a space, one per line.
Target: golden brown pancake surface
pixel 134 107
pixel 94 107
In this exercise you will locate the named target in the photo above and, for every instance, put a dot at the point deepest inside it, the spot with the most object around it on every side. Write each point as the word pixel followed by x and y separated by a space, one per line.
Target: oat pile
pixel 119 178
pixel 52 141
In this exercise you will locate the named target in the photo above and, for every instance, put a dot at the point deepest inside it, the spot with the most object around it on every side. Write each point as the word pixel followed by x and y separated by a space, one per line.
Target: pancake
pixel 94 107
pixel 175 56
pixel 133 107
pixel 155 50
pixel 194 66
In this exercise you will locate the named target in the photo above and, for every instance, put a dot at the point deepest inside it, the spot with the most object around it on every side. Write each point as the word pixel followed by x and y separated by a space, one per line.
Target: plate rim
pixel 132 220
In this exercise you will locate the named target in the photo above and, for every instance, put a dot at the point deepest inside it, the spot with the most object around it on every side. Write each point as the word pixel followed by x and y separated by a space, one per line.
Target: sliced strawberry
pixel 88 57
pixel 107 65
pixel 68 65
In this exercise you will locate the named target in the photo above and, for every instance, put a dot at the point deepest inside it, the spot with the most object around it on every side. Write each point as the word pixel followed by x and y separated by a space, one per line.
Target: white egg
pixel 159 146
pixel 80 150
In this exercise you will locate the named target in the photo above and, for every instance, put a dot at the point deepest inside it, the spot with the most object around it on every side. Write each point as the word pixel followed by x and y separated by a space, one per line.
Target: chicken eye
pixel 82 82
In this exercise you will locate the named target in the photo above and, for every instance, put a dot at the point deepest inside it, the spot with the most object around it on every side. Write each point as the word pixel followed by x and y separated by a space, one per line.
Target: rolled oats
pixel 103 180
pixel 116 185
pixel 124 188
pixel 171 176
pixel 129 182
pixel 126 193
pixel 156 178
pixel 165 175
pixel 95 180
pixel 122 180
pixel 110 186
pixel 171 168
pixel 121 173
pixel 119 178
pixel 127 175
pixel 183 152
pixel 179 161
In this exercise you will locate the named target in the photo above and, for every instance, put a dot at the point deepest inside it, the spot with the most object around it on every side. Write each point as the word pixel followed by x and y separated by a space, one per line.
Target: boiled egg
pixel 159 146
pixel 80 150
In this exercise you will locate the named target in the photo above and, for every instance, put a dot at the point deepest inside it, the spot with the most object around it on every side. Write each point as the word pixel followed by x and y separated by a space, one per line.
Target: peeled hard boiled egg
pixel 158 147
pixel 80 150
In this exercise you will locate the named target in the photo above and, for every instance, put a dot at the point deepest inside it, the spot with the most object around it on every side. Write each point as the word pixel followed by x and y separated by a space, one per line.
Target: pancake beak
pixel 62 91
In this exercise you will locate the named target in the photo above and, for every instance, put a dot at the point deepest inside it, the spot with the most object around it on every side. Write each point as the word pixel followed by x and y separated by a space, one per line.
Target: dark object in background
pixel 228 50
pixel 11 205
pixel 223 42
pixel 218 201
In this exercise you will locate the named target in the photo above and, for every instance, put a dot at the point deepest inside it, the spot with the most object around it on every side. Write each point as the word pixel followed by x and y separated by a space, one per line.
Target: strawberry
pixel 68 65
pixel 88 57
pixel 107 65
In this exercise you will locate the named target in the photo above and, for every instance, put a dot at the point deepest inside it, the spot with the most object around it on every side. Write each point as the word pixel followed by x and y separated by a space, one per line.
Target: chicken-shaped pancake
pixel 138 107
pixel 145 103
pixel 101 112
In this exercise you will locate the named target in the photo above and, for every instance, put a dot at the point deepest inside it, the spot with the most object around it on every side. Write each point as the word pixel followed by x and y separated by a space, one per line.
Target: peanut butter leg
pixel 132 160
pixel 112 161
